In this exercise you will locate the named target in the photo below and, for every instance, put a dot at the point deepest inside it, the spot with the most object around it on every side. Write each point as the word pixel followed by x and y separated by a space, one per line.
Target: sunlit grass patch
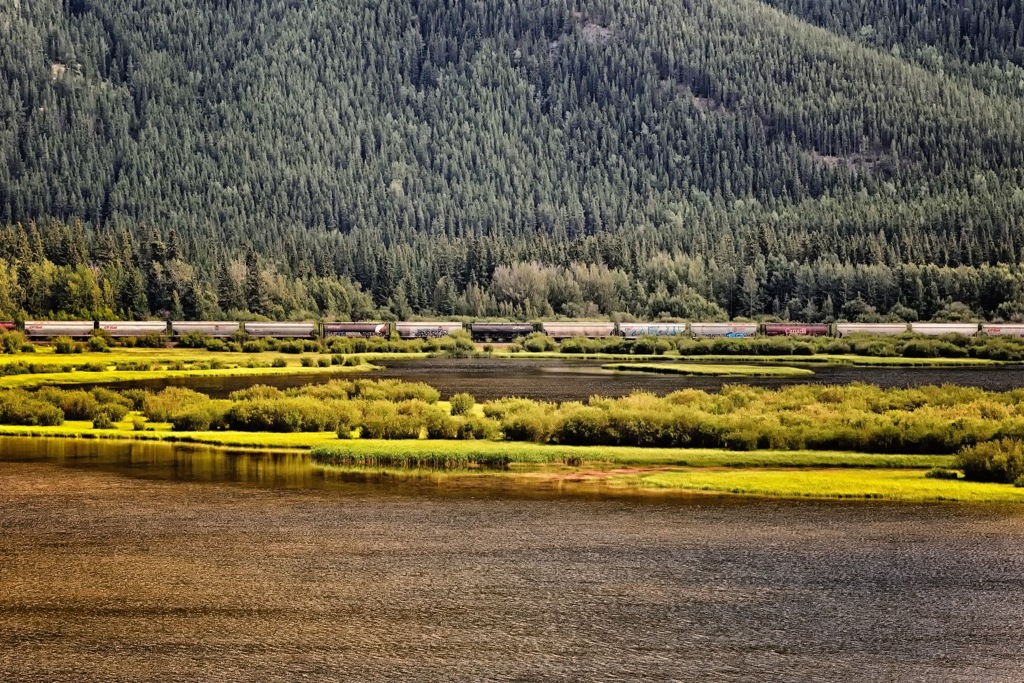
pixel 887 484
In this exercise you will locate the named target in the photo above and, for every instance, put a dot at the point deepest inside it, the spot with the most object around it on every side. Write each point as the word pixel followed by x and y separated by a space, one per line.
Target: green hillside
pixel 694 158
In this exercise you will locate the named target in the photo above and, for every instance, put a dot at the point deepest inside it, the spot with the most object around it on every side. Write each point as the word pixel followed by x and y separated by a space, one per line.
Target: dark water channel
pixel 568 380
pixel 129 562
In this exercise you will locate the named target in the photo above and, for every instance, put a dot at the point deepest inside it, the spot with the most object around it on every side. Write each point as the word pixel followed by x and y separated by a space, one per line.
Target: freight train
pixel 495 331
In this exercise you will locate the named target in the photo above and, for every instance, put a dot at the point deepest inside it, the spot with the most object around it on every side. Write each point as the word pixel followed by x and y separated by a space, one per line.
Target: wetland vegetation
pixel 387 423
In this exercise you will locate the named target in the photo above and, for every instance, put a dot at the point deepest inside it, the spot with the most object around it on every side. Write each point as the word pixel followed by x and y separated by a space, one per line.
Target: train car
pixel 426 330
pixel 796 330
pixel 41 329
pixel 1003 330
pixel 881 329
pixel 7 326
pixel 500 331
pixel 365 330
pixel 122 328
pixel 715 330
pixel 212 328
pixel 634 330
pixel 935 329
pixel 568 330
pixel 280 330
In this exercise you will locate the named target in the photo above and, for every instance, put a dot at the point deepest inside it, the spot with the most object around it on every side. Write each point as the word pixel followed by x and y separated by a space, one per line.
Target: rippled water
pixel 574 380
pixel 149 562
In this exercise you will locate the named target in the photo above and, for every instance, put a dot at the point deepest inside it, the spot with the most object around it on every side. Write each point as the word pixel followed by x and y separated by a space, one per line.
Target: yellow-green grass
pixel 716 370
pixel 108 376
pixel 887 484
pixel 847 359
pixel 234 364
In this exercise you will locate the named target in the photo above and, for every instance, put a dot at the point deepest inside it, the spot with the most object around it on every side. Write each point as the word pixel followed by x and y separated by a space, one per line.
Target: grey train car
pixel 568 330
pixel 364 330
pixel 215 328
pixel 935 329
pixel 881 329
pixel 1003 330
pixel 796 330
pixel 717 330
pixel 500 331
pixel 426 329
pixel 124 328
pixel 41 329
pixel 281 330
pixel 634 330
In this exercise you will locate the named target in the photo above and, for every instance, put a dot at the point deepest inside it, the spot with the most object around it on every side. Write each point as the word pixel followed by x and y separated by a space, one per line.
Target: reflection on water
pixel 557 379
pixel 162 576
pixel 281 469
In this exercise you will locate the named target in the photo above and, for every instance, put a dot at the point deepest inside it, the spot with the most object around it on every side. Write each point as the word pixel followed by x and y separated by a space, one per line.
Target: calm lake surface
pixel 556 379
pixel 128 562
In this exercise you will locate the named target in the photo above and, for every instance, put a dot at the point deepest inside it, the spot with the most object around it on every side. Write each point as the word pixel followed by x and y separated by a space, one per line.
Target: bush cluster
pixel 999 461
pixel 929 420
pixel 19 407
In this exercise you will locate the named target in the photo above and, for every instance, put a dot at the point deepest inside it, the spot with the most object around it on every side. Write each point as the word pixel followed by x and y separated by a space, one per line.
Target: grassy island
pixel 855 441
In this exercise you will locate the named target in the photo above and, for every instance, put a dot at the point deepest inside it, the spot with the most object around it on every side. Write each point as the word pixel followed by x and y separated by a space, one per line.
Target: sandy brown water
pixel 108 576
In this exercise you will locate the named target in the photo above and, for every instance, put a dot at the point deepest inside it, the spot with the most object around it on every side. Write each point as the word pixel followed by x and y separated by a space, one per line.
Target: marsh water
pixel 556 379
pixel 127 562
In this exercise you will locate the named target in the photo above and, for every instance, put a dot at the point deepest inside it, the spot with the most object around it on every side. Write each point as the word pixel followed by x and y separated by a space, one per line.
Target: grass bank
pixel 883 484
pixel 792 359
pixel 132 364
pixel 709 369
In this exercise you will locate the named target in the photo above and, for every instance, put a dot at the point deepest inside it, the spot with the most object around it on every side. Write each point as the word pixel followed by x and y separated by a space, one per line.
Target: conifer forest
pixel 810 160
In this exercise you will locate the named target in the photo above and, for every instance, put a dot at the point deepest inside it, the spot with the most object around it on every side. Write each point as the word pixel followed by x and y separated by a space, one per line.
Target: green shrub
pixel 462 404
pixel 993 461
pixel 12 342
pixel 216 345
pixel 201 417
pixel 115 411
pixel 102 421
pixel 153 340
pixel 78 405
pixel 138 424
pixel 387 420
pixel 137 398
pixel 537 342
pixel 163 406
pixel 307 361
pixel 194 340
pixel 324 362
pixel 290 414
pixel 98 344
pixel 132 366
pixel 19 407
pixel 66 345
pixel 105 396
pixel 941 473
pixel 256 392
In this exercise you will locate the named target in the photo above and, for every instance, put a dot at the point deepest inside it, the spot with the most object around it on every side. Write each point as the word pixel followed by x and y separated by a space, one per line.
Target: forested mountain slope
pixel 693 158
